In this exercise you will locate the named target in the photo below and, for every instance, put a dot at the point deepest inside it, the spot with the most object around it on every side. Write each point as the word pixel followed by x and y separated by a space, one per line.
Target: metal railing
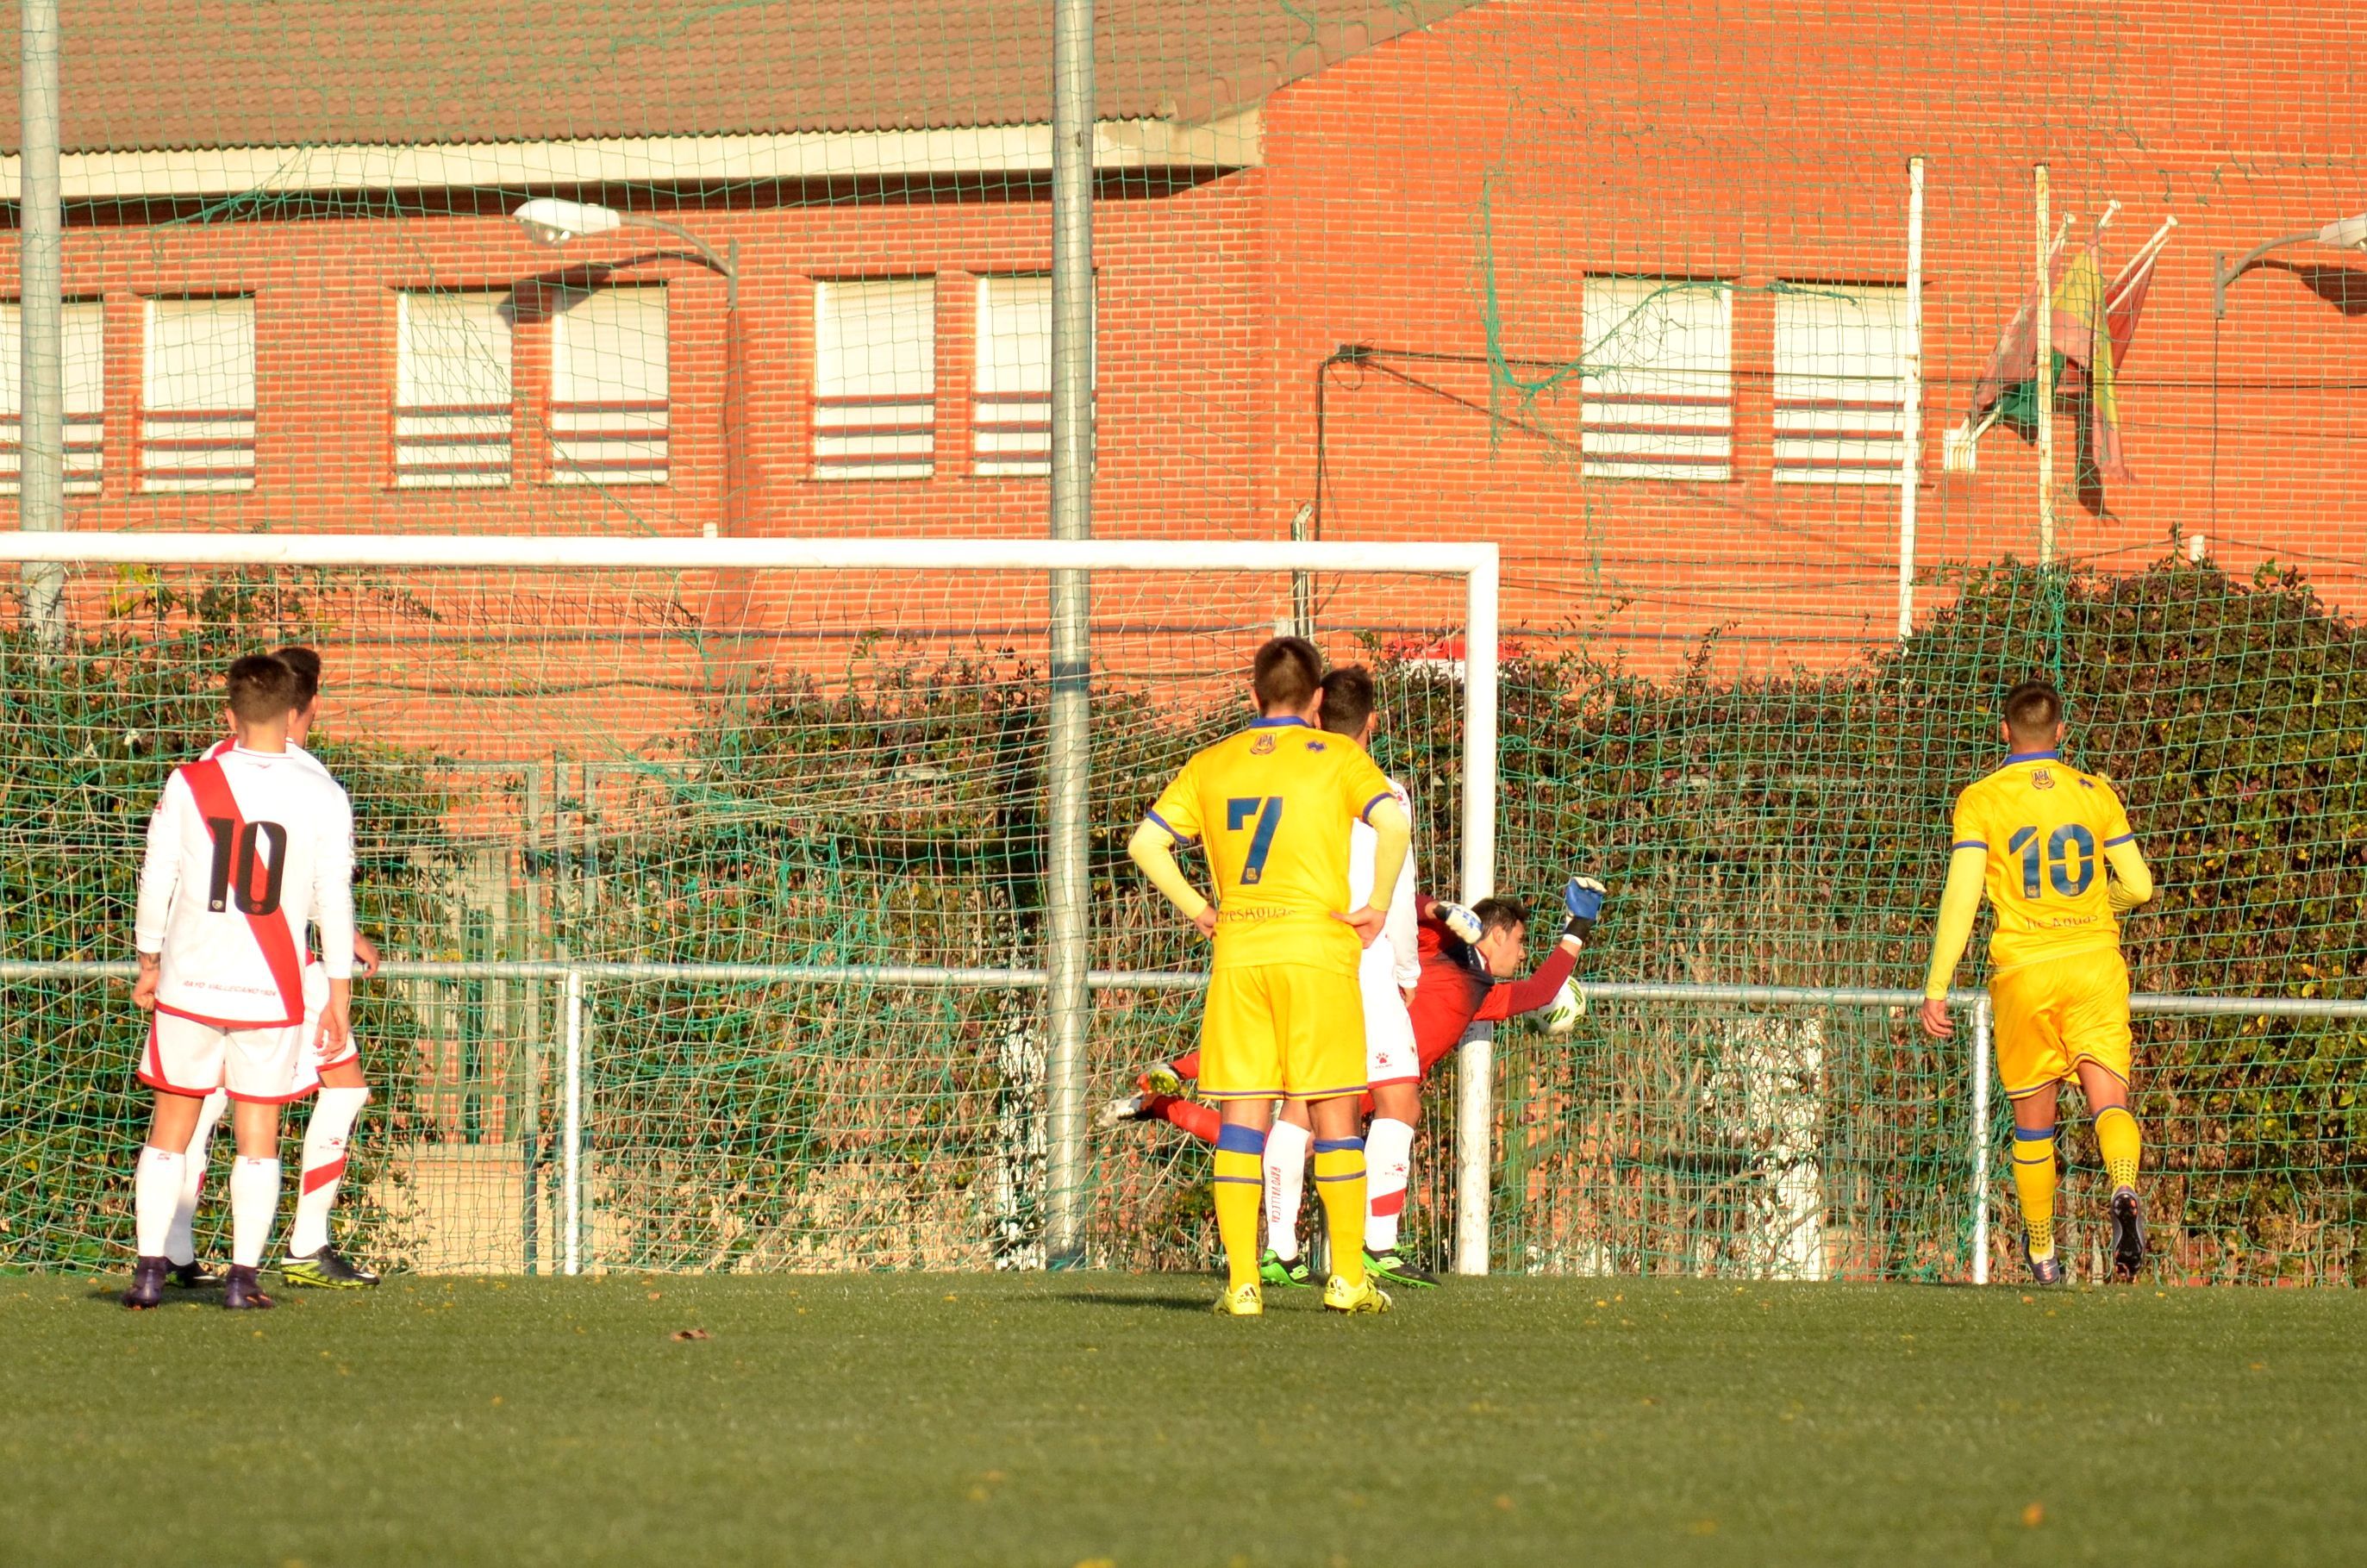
pixel 1474 1167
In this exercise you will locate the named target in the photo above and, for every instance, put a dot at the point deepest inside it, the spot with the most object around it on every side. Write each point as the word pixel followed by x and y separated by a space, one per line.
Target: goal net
pixel 720 876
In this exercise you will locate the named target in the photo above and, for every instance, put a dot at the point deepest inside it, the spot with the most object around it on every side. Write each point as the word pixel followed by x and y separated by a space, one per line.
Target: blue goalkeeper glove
pixel 1583 899
pixel 1459 920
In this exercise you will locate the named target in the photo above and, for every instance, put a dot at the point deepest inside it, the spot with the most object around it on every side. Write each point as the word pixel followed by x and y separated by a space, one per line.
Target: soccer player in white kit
pixel 341 1090
pixel 247 850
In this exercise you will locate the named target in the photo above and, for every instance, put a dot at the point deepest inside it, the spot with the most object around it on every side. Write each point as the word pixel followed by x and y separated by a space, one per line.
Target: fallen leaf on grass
pixel 683 1334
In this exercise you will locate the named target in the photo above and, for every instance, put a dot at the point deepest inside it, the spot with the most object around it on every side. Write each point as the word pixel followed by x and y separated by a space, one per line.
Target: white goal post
pixel 44 555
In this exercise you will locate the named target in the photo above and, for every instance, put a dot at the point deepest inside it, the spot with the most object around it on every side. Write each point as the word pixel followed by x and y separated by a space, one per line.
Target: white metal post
pixel 2045 368
pixel 571 1170
pixel 1910 467
pixel 1068 922
pixel 41 450
pixel 1475 1117
pixel 1983 1019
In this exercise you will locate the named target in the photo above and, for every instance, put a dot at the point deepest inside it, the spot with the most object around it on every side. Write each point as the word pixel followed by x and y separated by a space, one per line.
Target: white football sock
pixel 1286 1183
pixel 254 1201
pixel 326 1133
pixel 181 1244
pixel 155 1187
pixel 1389 1167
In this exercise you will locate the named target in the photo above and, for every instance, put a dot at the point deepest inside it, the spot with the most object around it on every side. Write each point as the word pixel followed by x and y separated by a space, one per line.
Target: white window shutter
pixel 609 389
pixel 1840 385
pixel 86 387
pixel 1011 420
pixel 452 396
pixel 1659 387
pixel 875 412
pixel 197 403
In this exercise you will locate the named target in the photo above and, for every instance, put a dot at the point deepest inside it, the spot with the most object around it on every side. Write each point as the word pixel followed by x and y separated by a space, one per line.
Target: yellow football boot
pixel 1342 1297
pixel 1241 1302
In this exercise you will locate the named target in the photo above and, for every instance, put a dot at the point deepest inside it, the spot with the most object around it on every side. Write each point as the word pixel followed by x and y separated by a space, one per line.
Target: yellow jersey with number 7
pixel 1272 806
pixel 2046 828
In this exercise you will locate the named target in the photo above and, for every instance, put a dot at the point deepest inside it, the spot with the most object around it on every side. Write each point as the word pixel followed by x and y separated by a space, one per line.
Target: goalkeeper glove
pixel 1460 921
pixel 1583 899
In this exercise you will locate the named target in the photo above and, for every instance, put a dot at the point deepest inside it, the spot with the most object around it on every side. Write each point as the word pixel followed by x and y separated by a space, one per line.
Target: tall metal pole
pixel 1910 465
pixel 2045 327
pixel 41 439
pixel 1069 886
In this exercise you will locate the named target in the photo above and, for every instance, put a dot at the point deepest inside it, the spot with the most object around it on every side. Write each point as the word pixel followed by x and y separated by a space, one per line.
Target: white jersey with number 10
pixel 247 850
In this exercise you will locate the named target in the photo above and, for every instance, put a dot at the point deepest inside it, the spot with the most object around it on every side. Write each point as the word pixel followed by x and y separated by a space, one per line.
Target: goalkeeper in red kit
pixel 1468 957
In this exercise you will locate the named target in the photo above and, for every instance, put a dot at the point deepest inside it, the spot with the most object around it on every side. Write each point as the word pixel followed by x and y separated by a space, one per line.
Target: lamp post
pixel 2344 234
pixel 551 221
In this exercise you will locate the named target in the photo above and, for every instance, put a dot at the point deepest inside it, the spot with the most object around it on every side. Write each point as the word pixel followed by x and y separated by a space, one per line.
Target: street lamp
pixel 551 221
pixel 2344 234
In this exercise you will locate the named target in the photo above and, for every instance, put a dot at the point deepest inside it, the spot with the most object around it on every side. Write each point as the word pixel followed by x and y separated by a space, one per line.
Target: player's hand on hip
pixel 1582 896
pixel 365 957
pixel 1205 921
pixel 1464 925
pixel 1937 1021
pixel 1367 922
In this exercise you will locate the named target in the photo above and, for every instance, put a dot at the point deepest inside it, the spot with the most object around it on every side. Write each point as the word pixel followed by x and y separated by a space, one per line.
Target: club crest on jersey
pixel 2041 779
pixel 1261 746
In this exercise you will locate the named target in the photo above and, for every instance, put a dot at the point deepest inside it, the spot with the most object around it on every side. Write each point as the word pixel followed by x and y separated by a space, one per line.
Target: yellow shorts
pixel 1282 1028
pixel 2053 1015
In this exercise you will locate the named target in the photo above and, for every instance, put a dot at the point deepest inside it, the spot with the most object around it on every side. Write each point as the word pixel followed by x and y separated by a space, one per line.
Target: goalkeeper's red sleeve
pixel 1544 983
pixel 1202 1121
pixel 1187 1065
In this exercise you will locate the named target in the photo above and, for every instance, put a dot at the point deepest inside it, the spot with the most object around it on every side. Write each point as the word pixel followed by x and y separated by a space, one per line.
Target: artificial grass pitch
pixel 1081 1418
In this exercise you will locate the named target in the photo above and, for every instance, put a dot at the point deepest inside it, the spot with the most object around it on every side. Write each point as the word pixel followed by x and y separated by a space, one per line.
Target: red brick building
pixel 1591 248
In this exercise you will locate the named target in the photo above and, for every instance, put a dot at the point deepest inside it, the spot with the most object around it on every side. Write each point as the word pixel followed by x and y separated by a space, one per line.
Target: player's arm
pixel 1960 901
pixel 1403 930
pixel 159 877
pixel 1393 840
pixel 333 909
pixel 1152 850
pixel 2132 878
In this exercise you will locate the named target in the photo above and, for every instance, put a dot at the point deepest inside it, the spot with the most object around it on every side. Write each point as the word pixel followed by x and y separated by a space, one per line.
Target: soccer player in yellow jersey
pixel 1284 1017
pixel 2040 838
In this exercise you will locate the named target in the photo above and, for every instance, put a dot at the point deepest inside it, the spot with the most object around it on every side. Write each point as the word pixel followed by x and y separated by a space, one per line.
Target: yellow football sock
pixel 2033 1183
pixel 1240 1197
pixel 1339 1181
pixel 2117 1136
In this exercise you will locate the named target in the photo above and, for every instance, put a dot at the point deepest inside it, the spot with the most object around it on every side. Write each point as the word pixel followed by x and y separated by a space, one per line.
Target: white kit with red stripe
pixel 247 849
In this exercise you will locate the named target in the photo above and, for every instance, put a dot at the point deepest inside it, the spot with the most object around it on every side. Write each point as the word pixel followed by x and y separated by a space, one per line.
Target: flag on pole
pixel 2093 325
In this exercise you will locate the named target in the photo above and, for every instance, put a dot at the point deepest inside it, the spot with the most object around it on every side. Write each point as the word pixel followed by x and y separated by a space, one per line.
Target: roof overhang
pixel 1232 142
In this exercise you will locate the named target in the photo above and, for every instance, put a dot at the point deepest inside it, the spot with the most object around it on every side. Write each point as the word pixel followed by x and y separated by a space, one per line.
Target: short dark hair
pixel 1285 674
pixel 2032 709
pixel 1500 913
pixel 261 687
pixel 1348 699
pixel 306 665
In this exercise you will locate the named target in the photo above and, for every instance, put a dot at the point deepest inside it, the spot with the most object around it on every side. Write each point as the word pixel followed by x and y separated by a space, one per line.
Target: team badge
pixel 1261 745
pixel 2041 779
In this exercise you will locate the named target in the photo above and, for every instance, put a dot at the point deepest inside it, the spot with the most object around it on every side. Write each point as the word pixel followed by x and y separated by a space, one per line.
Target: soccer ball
pixel 1561 1013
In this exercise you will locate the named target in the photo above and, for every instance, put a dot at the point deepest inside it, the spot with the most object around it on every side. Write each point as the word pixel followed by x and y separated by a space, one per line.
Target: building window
pixel 608 387
pixel 196 395
pixel 1010 425
pixel 1660 390
pixel 86 378
pixel 1840 385
pixel 452 390
pixel 875 413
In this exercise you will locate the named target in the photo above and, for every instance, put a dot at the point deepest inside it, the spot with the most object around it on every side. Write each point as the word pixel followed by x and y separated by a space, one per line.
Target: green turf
pixel 1065 1419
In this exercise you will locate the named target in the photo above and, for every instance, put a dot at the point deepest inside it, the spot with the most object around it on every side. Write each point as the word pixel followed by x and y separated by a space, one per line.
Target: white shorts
pixel 189 1057
pixel 309 1066
pixel 1389 1056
